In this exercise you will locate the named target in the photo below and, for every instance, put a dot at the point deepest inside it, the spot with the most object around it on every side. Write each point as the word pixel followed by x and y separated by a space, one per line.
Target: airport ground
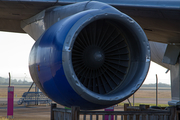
pixel 42 112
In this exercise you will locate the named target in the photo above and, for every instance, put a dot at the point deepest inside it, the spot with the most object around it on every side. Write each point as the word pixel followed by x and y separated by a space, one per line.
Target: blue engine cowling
pixel 93 59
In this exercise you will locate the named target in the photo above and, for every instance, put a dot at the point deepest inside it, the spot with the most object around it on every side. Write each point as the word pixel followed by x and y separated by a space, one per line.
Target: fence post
pixel 53 105
pixel 142 108
pixel 125 109
pixel 75 112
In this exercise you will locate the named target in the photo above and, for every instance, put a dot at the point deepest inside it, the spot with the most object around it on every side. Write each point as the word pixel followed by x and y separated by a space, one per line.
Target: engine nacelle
pixel 93 59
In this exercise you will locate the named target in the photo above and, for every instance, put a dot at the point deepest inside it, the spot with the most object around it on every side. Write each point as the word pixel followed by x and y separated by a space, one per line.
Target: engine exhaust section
pixel 94 58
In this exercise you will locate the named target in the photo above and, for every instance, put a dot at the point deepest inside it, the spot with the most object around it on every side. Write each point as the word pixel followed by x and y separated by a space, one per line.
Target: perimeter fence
pixel 142 112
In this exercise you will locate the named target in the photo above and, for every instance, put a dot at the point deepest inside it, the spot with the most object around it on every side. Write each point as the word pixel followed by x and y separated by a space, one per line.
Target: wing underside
pixel 159 19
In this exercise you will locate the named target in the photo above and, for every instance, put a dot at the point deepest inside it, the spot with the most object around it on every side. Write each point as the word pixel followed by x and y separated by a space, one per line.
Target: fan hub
pixel 93 57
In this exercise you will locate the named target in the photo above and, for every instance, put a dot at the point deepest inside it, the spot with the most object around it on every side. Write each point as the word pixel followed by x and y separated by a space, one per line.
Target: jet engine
pixel 93 59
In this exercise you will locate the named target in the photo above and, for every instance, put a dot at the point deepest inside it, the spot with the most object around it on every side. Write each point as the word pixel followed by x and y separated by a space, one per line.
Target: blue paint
pixel 49 65
pixel 164 4
pixel 61 86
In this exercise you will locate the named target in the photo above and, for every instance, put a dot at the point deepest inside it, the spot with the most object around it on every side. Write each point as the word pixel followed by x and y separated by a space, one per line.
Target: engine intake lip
pixel 132 81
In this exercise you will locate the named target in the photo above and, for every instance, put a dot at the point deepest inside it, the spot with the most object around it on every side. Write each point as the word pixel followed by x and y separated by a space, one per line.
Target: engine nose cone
pixel 98 56
pixel 93 57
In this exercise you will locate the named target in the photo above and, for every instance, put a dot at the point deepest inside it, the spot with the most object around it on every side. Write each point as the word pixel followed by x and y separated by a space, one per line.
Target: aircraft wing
pixel 159 19
pixel 14 11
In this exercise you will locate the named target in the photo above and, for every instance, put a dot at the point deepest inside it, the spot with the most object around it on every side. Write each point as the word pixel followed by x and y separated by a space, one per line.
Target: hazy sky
pixel 14 54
